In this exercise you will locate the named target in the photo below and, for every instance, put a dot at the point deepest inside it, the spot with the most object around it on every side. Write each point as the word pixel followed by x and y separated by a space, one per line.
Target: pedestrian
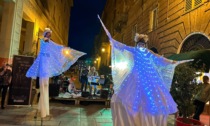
pixel 53 60
pixel 5 81
pixel 201 98
pixel 71 86
pixel 84 78
pixel 93 73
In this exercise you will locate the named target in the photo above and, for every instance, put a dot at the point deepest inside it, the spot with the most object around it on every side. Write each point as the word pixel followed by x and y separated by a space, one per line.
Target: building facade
pixel 22 23
pixel 173 26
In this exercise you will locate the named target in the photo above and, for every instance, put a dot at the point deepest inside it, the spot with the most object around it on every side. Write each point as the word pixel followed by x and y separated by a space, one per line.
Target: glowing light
pixel 97 59
pixel 95 62
pixel 121 65
pixel 66 52
pixel 103 49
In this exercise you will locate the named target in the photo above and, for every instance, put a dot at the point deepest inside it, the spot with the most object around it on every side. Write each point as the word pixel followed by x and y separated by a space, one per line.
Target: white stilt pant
pixel 121 117
pixel 43 104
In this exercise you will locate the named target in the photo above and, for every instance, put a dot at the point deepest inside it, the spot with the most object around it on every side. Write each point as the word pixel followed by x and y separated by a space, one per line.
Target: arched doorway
pixel 195 42
pixel 199 44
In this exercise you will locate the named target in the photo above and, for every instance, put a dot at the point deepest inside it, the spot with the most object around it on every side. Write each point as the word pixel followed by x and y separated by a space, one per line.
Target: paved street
pixel 62 114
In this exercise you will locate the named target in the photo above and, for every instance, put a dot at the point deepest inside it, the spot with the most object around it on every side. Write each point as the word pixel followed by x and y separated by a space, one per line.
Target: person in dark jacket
pixel 5 81
pixel 84 78
pixel 201 98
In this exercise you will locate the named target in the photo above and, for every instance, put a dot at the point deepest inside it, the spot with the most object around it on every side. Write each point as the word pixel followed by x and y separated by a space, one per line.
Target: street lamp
pixel 103 49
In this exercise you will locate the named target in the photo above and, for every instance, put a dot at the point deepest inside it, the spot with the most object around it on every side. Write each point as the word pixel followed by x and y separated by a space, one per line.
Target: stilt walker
pixel 52 60
pixel 142 82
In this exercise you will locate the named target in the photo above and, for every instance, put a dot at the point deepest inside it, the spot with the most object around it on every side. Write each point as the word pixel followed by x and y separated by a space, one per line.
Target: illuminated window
pixel 191 4
pixel 153 19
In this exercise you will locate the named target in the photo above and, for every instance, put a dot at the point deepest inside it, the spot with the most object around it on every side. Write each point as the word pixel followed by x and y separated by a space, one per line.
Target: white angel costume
pixel 142 81
pixel 52 60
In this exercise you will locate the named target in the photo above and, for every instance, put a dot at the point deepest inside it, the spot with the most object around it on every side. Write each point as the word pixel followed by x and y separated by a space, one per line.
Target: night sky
pixel 84 24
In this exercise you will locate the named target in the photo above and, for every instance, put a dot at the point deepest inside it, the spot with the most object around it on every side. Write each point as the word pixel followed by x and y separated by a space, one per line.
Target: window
pixel 188 5
pixel 191 4
pixel 197 2
pixel 134 31
pixel 153 19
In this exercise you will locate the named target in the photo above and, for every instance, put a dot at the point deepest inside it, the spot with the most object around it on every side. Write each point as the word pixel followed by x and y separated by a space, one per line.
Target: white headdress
pixel 139 37
pixel 46 30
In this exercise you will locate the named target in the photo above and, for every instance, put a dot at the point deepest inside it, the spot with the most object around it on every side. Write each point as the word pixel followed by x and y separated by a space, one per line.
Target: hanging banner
pixel 21 86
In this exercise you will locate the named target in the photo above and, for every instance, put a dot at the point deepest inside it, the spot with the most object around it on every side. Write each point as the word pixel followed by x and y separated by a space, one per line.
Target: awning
pixel 200 55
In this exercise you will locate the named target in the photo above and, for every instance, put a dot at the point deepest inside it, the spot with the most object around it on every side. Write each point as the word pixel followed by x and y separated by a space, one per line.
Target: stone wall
pixel 35 15
pixel 175 21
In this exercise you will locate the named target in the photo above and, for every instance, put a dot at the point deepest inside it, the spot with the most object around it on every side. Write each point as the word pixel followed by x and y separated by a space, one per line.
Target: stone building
pixel 173 26
pixel 23 21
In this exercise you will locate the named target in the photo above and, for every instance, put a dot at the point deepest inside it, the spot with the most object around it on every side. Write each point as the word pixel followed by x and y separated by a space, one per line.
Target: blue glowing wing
pixel 122 63
pixel 122 60
pixel 165 68
pixel 53 60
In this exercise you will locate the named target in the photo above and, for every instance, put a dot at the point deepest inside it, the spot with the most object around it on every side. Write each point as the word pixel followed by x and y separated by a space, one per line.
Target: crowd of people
pixel 89 80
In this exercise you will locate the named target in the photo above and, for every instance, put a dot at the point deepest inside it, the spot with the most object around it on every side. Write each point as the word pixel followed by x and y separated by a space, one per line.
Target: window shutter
pixel 197 2
pixel 188 5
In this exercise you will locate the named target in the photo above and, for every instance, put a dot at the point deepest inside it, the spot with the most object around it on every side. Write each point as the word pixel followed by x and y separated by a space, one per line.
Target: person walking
pixel 5 81
pixel 201 98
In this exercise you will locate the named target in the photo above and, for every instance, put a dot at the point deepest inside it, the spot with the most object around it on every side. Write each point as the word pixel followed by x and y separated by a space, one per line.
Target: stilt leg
pixel 42 121
pixel 35 117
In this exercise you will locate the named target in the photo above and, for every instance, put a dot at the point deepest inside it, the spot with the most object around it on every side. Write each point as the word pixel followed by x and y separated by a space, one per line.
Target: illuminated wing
pixel 70 57
pixel 122 60
pixel 166 68
pixel 63 57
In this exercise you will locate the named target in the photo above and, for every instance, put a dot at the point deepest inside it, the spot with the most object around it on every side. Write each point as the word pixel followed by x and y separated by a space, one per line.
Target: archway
pixel 198 45
pixel 195 42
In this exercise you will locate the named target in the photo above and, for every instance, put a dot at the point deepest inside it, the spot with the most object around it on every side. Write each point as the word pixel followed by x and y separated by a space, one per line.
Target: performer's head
pixel 47 33
pixel 141 40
